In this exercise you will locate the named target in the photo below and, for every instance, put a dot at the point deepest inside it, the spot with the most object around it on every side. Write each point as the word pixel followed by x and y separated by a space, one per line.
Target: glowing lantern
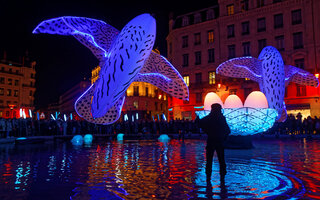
pixel 233 101
pixel 87 138
pixel 120 136
pixel 256 99
pixel 210 99
pixel 77 140
pixel 164 138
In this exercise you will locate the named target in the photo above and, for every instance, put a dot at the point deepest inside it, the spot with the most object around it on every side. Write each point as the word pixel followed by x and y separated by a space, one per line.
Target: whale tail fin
pixel 299 76
pixel 94 34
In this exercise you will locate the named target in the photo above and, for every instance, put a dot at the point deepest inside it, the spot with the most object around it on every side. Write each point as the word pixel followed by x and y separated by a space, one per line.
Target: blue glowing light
pixel 120 136
pixel 198 107
pixel 77 140
pixel 38 116
pixel 21 138
pixel 170 109
pixel 71 117
pixel 87 139
pixel 164 138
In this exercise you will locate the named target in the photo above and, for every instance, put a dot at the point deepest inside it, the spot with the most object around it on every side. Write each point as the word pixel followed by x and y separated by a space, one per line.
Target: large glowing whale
pixel 125 56
pixel 271 74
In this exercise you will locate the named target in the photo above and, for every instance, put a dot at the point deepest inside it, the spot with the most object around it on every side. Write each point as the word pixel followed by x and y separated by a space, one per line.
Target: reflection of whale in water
pixel 271 74
pixel 125 56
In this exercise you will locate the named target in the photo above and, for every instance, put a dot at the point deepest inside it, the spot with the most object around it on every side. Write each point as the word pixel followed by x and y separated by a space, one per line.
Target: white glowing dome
pixel 256 99
pixel 233 101
pixel 210 99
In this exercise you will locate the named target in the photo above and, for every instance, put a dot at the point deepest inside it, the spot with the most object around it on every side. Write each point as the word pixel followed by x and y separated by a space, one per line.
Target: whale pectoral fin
pixel 243 67
pixel 94 34
pixel 83 108
pixel 158 71
pixel 299 76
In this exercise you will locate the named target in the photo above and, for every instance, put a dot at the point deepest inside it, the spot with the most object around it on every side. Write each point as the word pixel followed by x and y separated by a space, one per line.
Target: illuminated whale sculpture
pixel 125 56
pixel 271 74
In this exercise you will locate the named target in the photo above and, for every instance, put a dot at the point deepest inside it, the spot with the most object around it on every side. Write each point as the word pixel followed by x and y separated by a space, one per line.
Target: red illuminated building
pixel 201 40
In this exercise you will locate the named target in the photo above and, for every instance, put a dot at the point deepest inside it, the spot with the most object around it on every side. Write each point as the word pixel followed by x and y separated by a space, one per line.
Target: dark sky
pixel 61 60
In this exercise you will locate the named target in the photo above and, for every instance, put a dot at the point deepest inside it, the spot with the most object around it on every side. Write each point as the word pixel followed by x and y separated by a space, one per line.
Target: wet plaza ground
pixel 146 169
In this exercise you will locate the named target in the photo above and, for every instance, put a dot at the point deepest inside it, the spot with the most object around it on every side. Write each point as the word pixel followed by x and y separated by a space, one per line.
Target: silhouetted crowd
pixel 29 127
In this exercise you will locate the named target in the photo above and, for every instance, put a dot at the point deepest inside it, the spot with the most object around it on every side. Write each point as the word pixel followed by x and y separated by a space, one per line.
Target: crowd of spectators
pixel 29 127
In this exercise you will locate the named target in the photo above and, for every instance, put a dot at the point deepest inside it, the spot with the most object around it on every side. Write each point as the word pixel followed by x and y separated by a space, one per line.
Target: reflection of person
pixel 216 127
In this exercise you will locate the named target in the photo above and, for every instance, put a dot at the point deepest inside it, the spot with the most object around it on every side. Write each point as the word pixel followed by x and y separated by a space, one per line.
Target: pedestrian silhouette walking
pixel 217 129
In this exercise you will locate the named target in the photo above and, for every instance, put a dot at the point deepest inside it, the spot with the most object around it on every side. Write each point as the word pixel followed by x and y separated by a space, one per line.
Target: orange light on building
pixel 219 85
pixel 317 75
pixel 160 96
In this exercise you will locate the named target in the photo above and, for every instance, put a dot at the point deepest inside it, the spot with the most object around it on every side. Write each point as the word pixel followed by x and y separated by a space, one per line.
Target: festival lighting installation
pixel 271 74
pixel 252 118
pixel 125 56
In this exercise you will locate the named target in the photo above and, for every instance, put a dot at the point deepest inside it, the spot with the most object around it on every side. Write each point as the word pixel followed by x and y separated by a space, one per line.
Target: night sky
pixel 61 60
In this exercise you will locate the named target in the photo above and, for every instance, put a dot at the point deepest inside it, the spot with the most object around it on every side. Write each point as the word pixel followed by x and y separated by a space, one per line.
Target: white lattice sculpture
pixel 125 56
pixel 271 74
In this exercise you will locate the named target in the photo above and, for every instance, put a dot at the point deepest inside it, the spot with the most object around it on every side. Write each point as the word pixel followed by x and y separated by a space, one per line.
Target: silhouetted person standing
pixel 216 127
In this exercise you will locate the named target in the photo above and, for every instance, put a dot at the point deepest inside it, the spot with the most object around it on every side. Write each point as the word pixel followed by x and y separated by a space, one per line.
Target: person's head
pixel 216 108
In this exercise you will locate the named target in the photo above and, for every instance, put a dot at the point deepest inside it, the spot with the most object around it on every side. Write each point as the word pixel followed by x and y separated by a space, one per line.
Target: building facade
pixel 17 87
pixel 201 40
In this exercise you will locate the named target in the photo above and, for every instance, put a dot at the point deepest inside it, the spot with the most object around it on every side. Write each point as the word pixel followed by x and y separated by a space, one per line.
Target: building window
pixel 156 105
pixel 280 42
pixel 233 91
pixel 197 55
pixel 9 81
pixel 210 36
pixel 210 14
pixel 184 41
pixel 261 24
pixel 210 55
pixel 276 1
pixel 197 18
pixel 246 48
pixel 1 80
pixel 297 40
pixel 197 39
pixel 261 44
pixel 16 82
pixel 185 21
pixel 260 3
pixel 212 78
pixel 299 63
pixel 230 31
pixel 31 93
pixel 245 5
pixel 1 91
pixel 185 60
pixel 16 93
pixel 198 78
pixel 147 91
pixel 199 97
pixel 301 90
pixel 230 9
pixel 186 80
pixel 296 17
pixel 136 104
pixel 135 91
pixel 231 51
pixel 245 28
pixel 278 21
pixel 9 93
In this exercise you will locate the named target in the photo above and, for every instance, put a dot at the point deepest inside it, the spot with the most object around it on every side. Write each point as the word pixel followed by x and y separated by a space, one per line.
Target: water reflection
pixel 159 170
